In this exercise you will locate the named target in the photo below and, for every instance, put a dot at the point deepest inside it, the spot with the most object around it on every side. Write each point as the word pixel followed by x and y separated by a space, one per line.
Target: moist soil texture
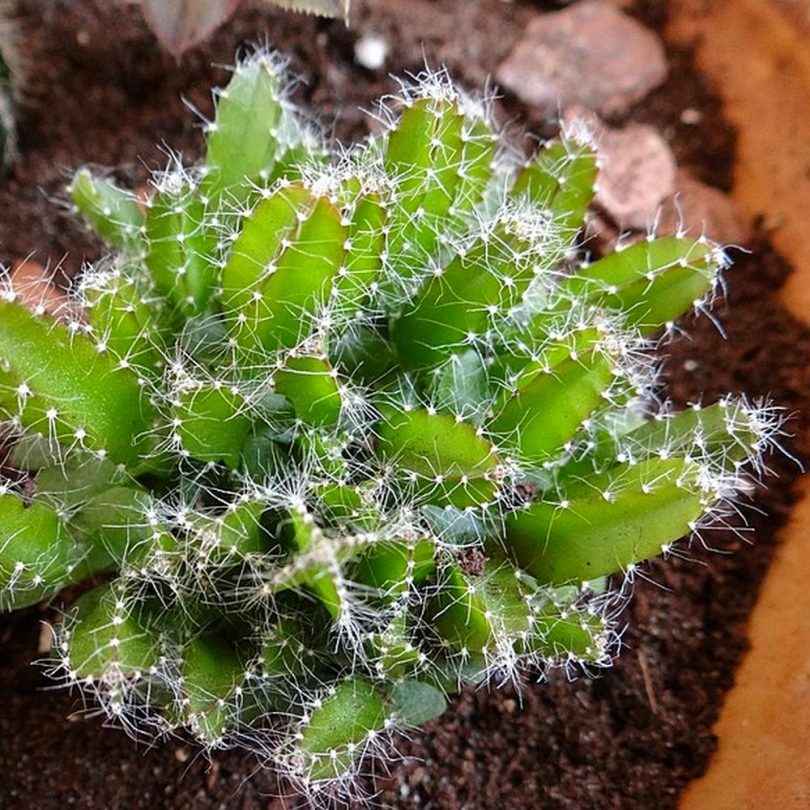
pixel 101 92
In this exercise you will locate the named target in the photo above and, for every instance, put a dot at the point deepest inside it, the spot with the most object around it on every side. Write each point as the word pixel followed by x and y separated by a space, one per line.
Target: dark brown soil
pixel 631 738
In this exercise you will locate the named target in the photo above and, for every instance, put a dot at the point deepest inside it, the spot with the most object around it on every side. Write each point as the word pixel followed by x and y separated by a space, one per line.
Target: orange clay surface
pixel 757 54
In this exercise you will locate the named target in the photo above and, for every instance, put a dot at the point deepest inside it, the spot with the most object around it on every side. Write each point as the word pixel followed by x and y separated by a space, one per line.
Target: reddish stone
pixel 638 173
pixel 589 54
pixel 700 209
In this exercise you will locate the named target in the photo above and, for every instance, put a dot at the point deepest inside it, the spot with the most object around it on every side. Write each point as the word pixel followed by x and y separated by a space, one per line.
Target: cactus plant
pixel 348 429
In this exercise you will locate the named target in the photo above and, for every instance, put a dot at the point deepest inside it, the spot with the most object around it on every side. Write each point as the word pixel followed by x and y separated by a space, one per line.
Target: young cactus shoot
pixel 307 386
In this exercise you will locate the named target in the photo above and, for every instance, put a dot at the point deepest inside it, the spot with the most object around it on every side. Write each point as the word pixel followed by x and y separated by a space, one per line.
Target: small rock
pixel 589 54
pixel 181 754
pixel 418 776
pixel 638 173
pixel 691 117
pixel 371 51
pixel 33 286
pixel 700 209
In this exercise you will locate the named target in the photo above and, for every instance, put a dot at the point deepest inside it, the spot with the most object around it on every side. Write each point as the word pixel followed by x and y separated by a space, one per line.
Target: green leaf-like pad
pixel 391 567
pixel 72 390
pixel 107 638
pixel 453 309
pixel 605 524
pixel 415 703
pixel 549 403
pixel 458 611
pixel 182 250
pixel 561 180
pixel 212 423
pixel 366 242
pixel 441 161
pixel 212 672
pixel 243 139
pixel 127 319
pixel 448 460
pixel 339 728
pixel 281 269
pixel 113 214
pixel 310 384
pixel 37 553
pixel 653 282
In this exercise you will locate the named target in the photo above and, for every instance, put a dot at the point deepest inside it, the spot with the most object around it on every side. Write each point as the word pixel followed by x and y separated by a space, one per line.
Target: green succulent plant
pixel 12 77
pixel 345 430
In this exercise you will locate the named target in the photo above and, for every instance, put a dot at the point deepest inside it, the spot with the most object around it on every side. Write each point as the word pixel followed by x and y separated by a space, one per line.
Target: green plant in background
pixel 11 77
pixel 181 24
pixel 345 430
